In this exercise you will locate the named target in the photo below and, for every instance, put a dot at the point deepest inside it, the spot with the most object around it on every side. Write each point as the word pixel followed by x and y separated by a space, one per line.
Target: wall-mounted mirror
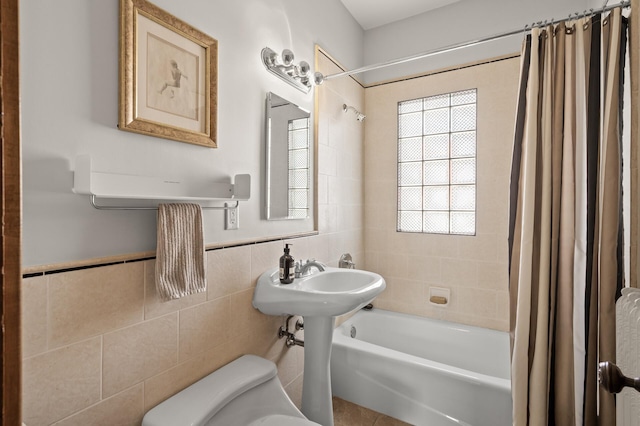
pixel 288 179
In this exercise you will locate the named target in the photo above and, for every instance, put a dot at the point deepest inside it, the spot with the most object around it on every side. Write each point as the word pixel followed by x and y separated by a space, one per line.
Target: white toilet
pixel 244 392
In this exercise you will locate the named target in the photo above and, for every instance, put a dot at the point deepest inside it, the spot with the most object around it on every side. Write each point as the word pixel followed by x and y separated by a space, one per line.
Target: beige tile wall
pixel 99 347
pixel 473 268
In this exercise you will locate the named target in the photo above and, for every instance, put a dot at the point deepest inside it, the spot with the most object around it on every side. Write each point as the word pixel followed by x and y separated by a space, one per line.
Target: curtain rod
pixel 319 77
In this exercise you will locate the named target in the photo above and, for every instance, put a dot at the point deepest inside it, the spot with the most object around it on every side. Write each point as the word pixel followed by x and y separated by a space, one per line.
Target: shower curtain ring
pixel 554 29
pixel 586 24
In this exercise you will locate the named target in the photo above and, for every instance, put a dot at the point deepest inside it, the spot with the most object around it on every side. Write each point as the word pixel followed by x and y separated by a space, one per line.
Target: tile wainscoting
pixel 99 347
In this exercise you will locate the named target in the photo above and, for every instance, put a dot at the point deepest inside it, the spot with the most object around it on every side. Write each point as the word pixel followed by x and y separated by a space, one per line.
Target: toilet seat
pixel 244 392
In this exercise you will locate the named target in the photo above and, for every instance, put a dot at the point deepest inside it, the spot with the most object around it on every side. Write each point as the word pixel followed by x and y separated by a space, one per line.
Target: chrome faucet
pixel 305 269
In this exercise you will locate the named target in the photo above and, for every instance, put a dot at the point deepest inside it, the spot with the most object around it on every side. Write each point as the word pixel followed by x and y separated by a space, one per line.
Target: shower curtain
pixel 565 226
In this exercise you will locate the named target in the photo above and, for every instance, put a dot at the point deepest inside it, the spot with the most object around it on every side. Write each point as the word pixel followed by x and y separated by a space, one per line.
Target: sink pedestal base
pixel 316 387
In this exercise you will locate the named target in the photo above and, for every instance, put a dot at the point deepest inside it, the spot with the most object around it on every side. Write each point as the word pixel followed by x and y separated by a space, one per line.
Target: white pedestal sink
pixel 319 298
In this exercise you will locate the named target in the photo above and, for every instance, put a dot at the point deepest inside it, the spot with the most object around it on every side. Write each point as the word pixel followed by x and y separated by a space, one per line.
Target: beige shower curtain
pixel 565 229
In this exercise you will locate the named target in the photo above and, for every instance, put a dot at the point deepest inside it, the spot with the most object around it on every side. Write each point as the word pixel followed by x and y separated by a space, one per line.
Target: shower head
pixel 359 116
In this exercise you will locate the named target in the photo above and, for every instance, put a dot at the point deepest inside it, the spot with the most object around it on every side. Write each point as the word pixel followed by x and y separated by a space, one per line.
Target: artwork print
pixel 172 76
pixel 168 76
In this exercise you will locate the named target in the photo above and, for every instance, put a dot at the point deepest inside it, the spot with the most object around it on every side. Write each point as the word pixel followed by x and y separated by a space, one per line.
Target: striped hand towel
pixel 180 265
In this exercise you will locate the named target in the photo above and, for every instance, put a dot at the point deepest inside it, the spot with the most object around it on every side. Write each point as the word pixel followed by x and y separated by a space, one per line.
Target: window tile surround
pixel 473 267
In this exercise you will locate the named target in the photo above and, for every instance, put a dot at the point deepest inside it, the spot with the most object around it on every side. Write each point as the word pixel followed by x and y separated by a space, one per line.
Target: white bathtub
pixel 423 371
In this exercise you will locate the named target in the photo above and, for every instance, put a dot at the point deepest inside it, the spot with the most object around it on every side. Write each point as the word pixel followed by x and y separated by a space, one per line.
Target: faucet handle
pixel 346 261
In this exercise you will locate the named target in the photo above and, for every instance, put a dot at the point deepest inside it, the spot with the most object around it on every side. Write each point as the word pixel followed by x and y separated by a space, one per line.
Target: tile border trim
pixel 38 271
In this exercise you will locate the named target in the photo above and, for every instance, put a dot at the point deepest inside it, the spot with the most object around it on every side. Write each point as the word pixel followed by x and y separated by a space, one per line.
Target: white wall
pixel 69 79
pixel 69 60
pixel 460 22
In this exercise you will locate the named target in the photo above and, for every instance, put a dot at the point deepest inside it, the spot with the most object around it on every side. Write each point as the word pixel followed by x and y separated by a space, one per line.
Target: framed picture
pixel 168 76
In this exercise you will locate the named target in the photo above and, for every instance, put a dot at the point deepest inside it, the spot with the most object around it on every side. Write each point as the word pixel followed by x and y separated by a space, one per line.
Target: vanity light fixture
pixel 284 67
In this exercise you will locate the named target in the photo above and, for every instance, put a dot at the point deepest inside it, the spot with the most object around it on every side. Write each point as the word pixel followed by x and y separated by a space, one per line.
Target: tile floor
pixel 347 414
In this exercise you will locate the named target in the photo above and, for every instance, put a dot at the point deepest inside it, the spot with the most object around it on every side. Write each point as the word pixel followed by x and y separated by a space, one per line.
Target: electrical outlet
pixel 231 217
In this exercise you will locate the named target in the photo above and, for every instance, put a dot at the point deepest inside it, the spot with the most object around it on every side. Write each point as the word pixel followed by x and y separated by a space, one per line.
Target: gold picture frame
pixel 168 76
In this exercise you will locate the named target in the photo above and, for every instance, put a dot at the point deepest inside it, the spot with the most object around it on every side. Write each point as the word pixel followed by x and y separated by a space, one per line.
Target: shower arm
pixel 359 116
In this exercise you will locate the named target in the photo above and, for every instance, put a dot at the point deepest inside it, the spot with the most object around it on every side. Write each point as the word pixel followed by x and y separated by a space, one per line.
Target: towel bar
pixel 103 207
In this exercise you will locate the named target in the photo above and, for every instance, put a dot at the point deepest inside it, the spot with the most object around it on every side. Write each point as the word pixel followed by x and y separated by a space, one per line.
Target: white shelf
pixel 135 187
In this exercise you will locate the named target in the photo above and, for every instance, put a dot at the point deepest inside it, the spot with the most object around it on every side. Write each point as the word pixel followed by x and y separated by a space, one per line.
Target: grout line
pixel 178 337
pixel 102 367
pixel 47 331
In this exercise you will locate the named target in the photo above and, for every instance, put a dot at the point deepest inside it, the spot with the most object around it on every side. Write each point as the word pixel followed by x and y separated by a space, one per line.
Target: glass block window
pixel 437 164
pixel 298 137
